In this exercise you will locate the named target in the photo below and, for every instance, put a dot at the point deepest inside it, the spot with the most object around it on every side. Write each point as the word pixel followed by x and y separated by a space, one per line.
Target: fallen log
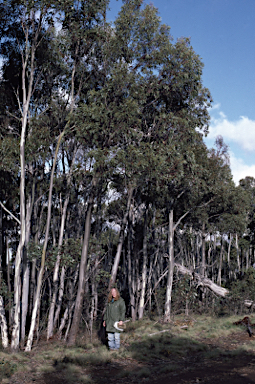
pixel 156 333
pixel 203 281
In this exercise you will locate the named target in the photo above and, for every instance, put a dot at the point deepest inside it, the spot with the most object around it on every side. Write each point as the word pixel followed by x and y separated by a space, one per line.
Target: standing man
pixel 115 312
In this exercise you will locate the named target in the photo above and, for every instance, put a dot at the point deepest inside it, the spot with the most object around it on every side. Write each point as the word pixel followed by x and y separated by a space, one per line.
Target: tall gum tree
pixel 172 101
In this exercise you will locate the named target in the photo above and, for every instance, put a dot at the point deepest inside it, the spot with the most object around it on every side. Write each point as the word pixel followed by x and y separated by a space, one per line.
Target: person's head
pixel 114 294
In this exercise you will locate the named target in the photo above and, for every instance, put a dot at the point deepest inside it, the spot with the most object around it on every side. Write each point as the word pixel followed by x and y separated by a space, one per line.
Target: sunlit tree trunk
pixel 203 250
pixel 169 286
pixel 229 249
pixel 60 295
pixel 144 270
pixel 220 263
pixel 26 263
pixel 238 255
pixel 19 254
pixel 3 324
pixel 121 240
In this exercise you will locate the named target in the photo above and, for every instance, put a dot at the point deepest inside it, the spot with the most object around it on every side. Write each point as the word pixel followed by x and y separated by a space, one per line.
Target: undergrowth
pixel 150 347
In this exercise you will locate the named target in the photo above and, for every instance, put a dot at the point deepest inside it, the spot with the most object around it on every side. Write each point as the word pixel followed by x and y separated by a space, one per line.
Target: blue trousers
pixel 114 340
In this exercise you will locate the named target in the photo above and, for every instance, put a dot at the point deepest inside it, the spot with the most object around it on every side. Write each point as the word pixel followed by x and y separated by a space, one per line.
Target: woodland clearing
pixel 195 349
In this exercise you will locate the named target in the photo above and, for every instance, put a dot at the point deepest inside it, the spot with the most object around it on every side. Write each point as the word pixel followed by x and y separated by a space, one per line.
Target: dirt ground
pixel 227 368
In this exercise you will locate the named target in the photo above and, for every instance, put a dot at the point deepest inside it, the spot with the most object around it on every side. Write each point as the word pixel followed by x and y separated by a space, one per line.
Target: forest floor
pixel 194 350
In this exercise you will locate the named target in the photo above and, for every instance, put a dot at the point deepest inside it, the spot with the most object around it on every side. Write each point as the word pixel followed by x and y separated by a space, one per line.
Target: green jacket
pixel 115 311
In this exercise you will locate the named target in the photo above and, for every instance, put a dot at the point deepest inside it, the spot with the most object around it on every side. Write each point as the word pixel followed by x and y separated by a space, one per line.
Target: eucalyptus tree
pixel 163 85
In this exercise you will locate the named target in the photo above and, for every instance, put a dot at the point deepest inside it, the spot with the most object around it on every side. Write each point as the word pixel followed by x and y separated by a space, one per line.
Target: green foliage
pixel 3 289
pixel 242 289
pixel 184 295
pixel 34 251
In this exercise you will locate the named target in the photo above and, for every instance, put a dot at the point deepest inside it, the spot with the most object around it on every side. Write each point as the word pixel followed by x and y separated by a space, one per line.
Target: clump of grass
pixel 78 357
pixel 69 370
pixel 247 347
pixel 168 368
pixel 210 327
pixel 7 369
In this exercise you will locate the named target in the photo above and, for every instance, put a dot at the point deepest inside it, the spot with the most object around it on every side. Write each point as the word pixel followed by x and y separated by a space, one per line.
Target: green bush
pixel 241 290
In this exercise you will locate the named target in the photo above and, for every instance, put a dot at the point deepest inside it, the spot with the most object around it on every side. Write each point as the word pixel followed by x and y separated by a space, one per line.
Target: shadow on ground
pixel 161 359
pixel 157 361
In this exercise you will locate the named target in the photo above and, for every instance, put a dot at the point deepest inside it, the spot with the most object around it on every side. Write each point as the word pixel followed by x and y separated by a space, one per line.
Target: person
pixel 115 312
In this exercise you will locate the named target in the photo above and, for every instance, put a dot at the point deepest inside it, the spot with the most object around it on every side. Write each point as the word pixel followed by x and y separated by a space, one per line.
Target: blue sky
pixel 222 32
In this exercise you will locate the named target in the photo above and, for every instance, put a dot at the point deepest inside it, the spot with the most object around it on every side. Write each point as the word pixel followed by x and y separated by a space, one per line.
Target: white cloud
pixel 241 131
pixel 239 169
pixel 239 135
pixel 215 106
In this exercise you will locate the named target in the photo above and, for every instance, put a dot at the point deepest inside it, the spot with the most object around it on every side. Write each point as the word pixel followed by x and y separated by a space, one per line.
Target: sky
pixel 222 33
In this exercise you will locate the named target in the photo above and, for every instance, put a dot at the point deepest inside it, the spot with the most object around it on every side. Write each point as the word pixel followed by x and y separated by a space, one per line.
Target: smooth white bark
pixel 121 240
pixel 3 324
pixel 60 295
pixel 144 271
pixel 169 286
pixel 204 282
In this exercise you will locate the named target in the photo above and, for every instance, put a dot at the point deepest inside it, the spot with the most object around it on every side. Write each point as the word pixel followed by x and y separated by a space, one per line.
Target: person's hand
pixel 104 324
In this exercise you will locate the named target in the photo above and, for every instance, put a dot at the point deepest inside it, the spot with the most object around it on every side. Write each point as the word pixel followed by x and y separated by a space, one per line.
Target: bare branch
pixel 15 218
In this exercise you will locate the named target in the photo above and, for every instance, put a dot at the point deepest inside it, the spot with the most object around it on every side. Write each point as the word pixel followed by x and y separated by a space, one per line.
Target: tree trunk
pixel 3 324
pixel 203 251
pixel 70 305
pixel 16 299
pixel 8 276
pixel 83 270
pixel 220 263
pixel 144 270
pixel 121 240
pixel 229 249
pixel 60 295
pixel 56 272
pixel 26 264
pixel 247 258
pixel 18 258
pixel 238 255
pixel 32 286
pixel 131 275
pixel 169 286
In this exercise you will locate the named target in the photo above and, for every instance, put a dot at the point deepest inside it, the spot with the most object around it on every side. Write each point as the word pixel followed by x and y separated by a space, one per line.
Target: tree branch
pixel 15 218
